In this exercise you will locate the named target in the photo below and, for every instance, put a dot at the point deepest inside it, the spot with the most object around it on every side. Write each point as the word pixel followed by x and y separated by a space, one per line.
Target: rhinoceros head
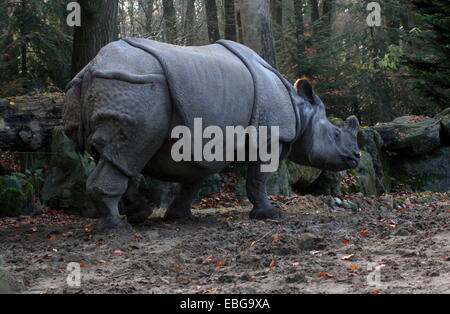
pixel 321 144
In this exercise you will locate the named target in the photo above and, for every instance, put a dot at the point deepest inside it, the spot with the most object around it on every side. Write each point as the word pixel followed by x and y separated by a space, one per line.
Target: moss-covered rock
pixel 430 172
pixel 370 141
pixel 365 176
pixel 300 177
pixel 16 197
pixel 444 118
pixel 328 183
pixel 65 183
pixel 410 135
pixel 277 184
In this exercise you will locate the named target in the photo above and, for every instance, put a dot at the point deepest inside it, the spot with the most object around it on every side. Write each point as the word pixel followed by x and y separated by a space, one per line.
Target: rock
pixel 348 205
pixel 338 201
pixel 370 141
pixel 365 177
pixel 300 177
pixel 310 242
pixel 65 184
pixel 9 285
pixel 410 135
pixel 16 197
pixel 328 183
pixel 430 172
pixel 387 201
pixel 444 118
pixel 27 124
pixel 277 184
pixel 296 278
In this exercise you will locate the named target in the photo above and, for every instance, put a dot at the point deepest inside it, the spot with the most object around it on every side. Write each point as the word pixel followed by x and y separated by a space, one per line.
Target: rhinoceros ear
pixel 305 90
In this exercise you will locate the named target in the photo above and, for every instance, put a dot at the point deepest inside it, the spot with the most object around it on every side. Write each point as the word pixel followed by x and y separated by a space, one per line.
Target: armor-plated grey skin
pixel 124 104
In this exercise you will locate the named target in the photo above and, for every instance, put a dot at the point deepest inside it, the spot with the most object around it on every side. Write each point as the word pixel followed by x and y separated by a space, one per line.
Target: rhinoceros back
pixel 212 82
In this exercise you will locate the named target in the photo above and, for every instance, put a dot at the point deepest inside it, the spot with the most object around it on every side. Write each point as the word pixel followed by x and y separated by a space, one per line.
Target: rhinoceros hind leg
pixel 257 194
pixel 180 208
pixel 105 186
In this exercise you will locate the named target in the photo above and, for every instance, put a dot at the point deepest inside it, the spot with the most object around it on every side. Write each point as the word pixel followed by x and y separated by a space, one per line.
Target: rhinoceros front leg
pixel 105 186
pixel 180 208
pixel 257 194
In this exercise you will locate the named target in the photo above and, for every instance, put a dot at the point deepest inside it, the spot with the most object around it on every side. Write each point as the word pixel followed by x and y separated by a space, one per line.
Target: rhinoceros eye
pixel 337 133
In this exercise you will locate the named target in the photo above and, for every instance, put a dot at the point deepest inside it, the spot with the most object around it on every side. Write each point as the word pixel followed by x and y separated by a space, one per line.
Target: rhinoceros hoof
pixel 115 223
pixel 178 214
pixel 266 213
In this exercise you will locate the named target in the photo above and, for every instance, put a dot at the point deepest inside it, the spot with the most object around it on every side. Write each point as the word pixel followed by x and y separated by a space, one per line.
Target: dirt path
pixel 317 248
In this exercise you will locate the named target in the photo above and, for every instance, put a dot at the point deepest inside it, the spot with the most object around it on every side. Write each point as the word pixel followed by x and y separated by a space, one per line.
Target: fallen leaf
pixel 323 274
pixel 296 264
pixel 347 257
pixel 273 263
pixel 118 252
pixel 345 241
pixel 276 238
pixel 218 264
pixel 52 238
pixel 362 234
pixel 253 244
pixel 354 267
pixel 208 260
pixel 376 292
pixel 101 261
pixel 132 246
pixel 82 265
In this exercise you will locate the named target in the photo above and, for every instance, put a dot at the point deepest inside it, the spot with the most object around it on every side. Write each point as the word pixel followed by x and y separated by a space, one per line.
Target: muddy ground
pixel 323 245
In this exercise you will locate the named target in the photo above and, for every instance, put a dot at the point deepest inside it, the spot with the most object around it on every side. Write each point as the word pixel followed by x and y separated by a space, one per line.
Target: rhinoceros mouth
pixel 351 161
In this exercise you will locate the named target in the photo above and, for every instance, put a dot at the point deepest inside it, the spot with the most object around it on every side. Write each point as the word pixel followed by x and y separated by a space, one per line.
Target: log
pixel 26 122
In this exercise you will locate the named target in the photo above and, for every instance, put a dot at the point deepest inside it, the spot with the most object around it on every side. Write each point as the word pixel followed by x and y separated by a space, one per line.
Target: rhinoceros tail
pixel 86 81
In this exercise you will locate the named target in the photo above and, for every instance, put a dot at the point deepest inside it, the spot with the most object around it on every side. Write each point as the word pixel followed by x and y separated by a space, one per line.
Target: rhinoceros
pixel 122 107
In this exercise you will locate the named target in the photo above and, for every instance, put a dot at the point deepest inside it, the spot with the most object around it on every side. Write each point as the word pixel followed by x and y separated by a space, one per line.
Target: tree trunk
pixel 277 11
pixel 257 28
pixel 230 20
pixel 314 7
pixel 212 20
pixel 189 23
pixel 147 6
pixel 327 11
pixel 24 35
pixel 170 21
pixel 98 28
pixel 300 45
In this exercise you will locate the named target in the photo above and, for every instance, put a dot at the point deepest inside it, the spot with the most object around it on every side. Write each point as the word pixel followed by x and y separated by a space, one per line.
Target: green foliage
pixel 431 63
pixel 35 46
pixel 14 195
pixel 356 69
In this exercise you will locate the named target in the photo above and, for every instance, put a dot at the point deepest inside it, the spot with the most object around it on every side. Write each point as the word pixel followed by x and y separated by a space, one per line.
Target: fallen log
pixel 26 122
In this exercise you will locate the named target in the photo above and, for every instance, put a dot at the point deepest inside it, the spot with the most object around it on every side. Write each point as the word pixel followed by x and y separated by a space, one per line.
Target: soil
pixel 315 248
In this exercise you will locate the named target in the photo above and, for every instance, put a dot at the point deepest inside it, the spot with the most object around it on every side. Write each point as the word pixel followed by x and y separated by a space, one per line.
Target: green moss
pixel 353 172
pixel 11 201
pixel 28 190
